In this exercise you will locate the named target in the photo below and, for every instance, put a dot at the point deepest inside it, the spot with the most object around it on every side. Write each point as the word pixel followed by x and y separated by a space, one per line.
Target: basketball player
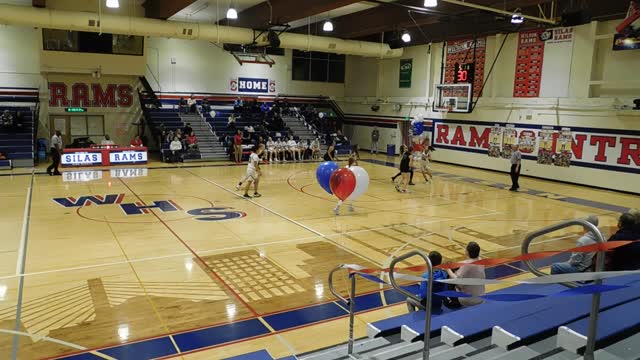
pixel 330 155
pixel 271 150
pixel 405 170
pixel 292 148
pixel 302 148
pixel 253 171
pixel 352 162
pixel 280 146
pixel 394 177
pixel 315 149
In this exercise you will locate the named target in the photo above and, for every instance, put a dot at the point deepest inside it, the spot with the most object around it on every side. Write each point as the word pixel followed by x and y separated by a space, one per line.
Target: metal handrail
pixel 551 228
pixel 595 300
pixel 350 302
pixel 427 310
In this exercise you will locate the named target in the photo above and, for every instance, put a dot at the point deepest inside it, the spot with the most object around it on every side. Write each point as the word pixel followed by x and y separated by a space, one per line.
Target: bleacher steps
pixel 486 353
pixel 449 336
pixel 628 348
pixel 449 354
pixel 502 338
pixel 521 353
pixel 407 334
pixel 570 340
pixel 340 352
pixel 395 350
pixel 557 354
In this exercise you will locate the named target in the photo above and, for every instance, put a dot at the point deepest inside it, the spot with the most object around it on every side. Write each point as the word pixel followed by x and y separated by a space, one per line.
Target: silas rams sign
pixel 90 95
pixel 252 85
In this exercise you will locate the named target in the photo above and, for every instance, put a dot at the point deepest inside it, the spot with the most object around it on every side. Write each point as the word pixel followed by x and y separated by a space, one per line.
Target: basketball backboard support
pixel 453 98
pixel 249 57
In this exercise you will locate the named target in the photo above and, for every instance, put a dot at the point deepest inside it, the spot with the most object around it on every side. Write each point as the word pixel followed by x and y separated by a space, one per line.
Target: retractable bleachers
pixel 17 143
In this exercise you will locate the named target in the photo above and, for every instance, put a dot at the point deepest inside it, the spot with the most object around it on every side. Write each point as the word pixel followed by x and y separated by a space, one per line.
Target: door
pixel 62 123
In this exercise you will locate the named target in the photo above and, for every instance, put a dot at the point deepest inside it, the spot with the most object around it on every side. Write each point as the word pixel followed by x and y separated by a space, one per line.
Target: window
pixel 89 42
pixel 87 126
pixel 317 66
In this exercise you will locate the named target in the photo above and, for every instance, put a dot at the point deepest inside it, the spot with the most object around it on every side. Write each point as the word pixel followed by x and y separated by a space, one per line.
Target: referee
pixel 56 152
pixel 516 161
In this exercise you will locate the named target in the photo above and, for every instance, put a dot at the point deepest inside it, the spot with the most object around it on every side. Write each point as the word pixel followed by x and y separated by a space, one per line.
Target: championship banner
pixel 406 68
pixel 495 140
pixel 563 148
pixel 543 63
pixel 613 150
pixel 508 140
pixel 461 52
pixel 545 150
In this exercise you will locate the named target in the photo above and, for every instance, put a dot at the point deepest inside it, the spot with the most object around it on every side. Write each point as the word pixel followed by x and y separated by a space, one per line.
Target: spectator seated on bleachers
pixel 626 257
pixel 264 108
pixel 192 142
pixel 176 149
pixel 6 120
pixel 238 105
pixel 468 271
pixel 136 142
pixel 18 121
pixel 182 106
pixel 578 262
pixel 192 106
pixel 187 129
pixel 3 156
pixel 206 107
pixel 438 274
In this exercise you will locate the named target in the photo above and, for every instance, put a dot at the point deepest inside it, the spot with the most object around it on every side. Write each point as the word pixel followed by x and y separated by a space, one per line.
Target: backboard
pixel 247 57
pixel 453 98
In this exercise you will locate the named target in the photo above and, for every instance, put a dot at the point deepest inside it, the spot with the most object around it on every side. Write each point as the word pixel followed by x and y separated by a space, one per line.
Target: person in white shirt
pixel 55 152
pixel 302 149
pixel 280 147
pixel 315 149
pixel 272 153
pixel 253 172
pixel 107 141
pixel 176 149
pixel 191 103
pixel 292 148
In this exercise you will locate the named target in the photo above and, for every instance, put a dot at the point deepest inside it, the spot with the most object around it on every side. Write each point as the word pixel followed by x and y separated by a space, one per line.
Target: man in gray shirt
pixel 375 136
pixel 578 262
pixel 516 160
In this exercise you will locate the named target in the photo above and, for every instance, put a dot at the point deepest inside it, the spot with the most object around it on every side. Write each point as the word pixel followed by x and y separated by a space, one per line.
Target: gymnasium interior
pixel 320 179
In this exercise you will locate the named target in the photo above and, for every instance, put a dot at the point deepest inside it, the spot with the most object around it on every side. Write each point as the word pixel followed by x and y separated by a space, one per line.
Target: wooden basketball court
pixel 95 259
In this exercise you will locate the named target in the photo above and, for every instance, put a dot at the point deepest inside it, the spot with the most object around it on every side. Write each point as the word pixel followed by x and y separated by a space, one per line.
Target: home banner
pixel 543 63
pixel 595 148
pixel 462 52
pixel 406 69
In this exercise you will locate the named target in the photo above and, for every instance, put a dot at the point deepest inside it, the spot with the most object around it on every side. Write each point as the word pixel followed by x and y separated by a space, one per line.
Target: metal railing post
pixel 427 310
pixel 352 296
pixel 600 260
pixel 350 302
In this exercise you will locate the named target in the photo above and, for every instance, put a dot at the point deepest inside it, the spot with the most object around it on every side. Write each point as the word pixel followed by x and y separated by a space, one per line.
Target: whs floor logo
pixel 142 208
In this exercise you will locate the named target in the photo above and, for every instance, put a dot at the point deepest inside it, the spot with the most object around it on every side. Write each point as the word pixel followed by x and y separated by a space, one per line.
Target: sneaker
pixel 396 186
pixel 393 179
pixel 403 190
pixel 411 183
pixel 246 196
pixel 238 187
pixel 255 195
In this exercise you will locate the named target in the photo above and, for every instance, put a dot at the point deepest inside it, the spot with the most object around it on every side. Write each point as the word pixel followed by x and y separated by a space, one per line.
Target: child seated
pixel 436 301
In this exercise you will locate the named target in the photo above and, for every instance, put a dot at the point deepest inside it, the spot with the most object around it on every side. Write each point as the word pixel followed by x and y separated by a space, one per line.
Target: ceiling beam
pixel 285 11
pixel 389 18
pixel 39 3
pixel 164 9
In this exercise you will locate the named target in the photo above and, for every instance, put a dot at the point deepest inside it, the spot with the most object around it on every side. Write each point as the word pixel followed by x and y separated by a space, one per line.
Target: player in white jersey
pixel 302 149
pixel 253 171
pixel 280 150
pixel 272 152
pixel 292 148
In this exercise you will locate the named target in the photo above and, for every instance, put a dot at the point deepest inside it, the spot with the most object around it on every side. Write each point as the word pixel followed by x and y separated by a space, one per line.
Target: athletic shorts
pixel 252 175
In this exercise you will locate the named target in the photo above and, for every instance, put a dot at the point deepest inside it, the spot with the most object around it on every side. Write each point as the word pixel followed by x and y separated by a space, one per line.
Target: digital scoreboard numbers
pixel 463 73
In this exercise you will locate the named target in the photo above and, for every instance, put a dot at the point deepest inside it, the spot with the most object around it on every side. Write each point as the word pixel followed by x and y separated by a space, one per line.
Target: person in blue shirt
pixel 438 274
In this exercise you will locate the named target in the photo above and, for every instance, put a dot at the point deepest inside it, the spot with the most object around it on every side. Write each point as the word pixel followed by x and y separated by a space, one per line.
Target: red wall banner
pixel 461 52
pixel 529 64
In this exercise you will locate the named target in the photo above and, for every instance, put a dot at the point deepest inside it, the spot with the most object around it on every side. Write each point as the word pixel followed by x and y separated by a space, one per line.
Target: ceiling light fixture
pixel 232 13
pixel 406 37
pixel 328 26
pixel 113 4
pixel 430 3
pixel 517 17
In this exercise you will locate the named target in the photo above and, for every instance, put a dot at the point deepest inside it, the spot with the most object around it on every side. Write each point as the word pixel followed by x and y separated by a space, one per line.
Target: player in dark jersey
pixel 330 155
pixel 405 170
pixel 393 178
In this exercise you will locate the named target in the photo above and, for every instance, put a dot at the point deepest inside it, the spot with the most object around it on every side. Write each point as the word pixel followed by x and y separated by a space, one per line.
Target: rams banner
pixel 617 150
